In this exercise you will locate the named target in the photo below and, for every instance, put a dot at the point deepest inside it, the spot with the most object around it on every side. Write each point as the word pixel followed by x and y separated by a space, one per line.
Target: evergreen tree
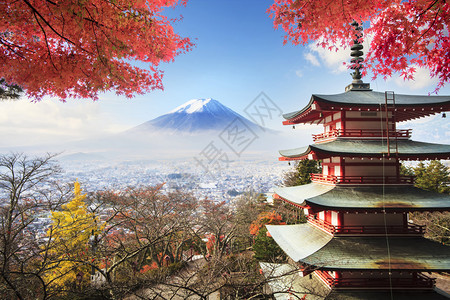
pixel 266 249
pixel 9 91
pixel 432 177
pixel 301 174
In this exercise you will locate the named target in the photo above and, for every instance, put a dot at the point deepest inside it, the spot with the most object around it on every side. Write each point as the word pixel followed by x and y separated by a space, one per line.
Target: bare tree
pixel 146 230
pixel 27 189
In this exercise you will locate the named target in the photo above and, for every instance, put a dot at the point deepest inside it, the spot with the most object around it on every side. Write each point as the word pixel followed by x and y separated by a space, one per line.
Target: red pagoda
pixel 358 240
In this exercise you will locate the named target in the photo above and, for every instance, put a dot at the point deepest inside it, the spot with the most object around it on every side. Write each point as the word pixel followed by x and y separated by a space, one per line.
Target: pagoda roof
pixel 407 149
pixel 369 99
pixel 361 197
pixel 359 253
pixel 385 294
pixel 299 240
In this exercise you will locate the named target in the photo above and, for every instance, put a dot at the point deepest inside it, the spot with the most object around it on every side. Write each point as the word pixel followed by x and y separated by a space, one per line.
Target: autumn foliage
pixel 80 48
pixel 265 218
pixel 68 246
pixel 405 34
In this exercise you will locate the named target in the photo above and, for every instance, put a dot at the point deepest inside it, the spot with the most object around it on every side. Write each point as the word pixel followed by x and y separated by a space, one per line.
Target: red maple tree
pixel 406 34
pixel 80 48
pixel 266 218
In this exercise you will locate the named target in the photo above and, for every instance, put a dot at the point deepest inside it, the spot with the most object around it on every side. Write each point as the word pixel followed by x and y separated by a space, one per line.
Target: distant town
pixel 219 185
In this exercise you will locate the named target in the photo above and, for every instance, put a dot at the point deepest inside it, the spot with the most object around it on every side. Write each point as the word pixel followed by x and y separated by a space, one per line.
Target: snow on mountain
pixel 196 105
pixel 194 116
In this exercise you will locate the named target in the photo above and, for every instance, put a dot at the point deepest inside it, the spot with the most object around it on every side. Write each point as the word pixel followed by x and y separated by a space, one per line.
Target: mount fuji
pixel 195 116
pixel 183 132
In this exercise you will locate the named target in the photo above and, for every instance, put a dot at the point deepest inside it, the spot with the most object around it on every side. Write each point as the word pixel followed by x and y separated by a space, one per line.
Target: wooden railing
pixel 362 133
pixel 367 229
pixel 331 179
pixel 381 229
pixel 321 224
pixel 419 281
pixel 321 178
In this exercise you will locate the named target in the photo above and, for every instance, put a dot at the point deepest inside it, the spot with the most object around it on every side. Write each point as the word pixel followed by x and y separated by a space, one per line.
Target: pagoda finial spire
pixel 356 61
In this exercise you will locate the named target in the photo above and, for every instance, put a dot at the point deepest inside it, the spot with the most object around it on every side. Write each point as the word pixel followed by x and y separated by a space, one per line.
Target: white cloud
pixel 312 59
pixel 421 80
pixel 26 123
pixel 334 59
pixel 299 73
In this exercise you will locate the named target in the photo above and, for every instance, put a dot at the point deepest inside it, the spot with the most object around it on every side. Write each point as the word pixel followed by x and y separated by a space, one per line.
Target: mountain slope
pixel 197 115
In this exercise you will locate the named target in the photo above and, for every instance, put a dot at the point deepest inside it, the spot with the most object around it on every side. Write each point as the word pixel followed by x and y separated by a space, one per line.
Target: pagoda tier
pixel 362 198
pixel 294 286
pixel 360 161
pixel 354 105
pixel 378 295
pixel 354 262
pixel 356 148
pixel 307 244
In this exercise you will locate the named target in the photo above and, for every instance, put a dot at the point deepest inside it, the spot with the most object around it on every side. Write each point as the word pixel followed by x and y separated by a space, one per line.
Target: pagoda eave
pixel 298 205
pixel 402 114
pixel 396 208
pixel 394 198
pixel 376 294
pixel 304 243
pixel 328 154
pixel 369 253
pixel 321 105
pixel 406 150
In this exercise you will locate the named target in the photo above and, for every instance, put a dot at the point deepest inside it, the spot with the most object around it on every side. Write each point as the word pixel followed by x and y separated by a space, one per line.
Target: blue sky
pixel 238 54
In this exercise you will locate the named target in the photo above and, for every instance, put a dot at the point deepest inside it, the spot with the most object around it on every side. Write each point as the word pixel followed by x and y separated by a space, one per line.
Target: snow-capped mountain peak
pixel 196 115
pixel 194 105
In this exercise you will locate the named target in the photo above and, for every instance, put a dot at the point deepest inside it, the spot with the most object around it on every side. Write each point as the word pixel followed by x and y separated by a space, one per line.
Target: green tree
pixel 247 208
pixel 266 249
pixel 406 170
pixel 301 172
pixel 433 176
pixel 9 91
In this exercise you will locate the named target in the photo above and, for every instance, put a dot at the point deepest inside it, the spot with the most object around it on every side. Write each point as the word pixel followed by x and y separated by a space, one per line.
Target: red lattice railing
pixel 331 179
pixel 410 228
pixel 361 133
pixel 418 280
